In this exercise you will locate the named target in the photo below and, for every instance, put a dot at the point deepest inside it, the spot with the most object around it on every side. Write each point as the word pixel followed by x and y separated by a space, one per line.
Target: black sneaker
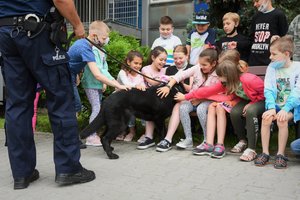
pixel 148 142
pixel 163 146
pixel 81 177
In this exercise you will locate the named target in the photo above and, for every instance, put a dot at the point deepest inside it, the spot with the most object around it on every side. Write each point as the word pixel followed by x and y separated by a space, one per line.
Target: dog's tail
pixel 94 126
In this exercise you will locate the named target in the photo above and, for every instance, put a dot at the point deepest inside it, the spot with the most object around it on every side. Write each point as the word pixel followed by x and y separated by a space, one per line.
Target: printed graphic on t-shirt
pixel 283 91
pixel 261 38
pixel 197 42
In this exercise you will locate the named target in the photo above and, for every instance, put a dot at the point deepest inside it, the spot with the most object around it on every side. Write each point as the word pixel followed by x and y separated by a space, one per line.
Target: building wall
pixel 180 11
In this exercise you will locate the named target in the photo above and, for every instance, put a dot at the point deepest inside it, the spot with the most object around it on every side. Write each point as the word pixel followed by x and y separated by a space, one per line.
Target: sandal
pixel 239 147
pixel 120 137
pixel 262 160
pixel 129 137
pixel 280 161
pixel 248 155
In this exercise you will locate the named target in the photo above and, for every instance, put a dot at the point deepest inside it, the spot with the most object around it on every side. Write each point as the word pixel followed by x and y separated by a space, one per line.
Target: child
pixel 200 38
pixel 248 136
pixel 247 87
pixel 203 75
pixel 94 91
pixel 156 70
pixel 81 54
pixel 181 64
pixel 267 22
pixel 234 40
pixel 282 92
pixel 166 39
pixel 134 59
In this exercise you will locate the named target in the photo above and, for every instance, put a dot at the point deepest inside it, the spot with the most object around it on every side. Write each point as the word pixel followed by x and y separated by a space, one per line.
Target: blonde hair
pixel 98 26
pixel 234 56
pixel 230 54
pixel 232 16
pixel 284 44
pixel 231 72
pixel 243 66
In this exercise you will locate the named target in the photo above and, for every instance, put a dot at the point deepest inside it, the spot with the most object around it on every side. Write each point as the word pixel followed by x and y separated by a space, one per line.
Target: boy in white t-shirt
pixel 166 39
pixel 200 38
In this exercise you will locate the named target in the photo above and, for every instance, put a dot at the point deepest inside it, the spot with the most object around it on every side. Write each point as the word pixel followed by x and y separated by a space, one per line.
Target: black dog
pixel 119 106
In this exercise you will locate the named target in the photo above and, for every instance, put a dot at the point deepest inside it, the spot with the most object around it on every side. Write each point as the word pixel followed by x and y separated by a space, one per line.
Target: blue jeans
pixel 295 146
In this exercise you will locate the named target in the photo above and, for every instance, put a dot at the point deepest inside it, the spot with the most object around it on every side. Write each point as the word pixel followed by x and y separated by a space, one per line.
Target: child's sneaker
pixel 184 144
pixel 203 149
pixel 148 142
pixel 93 140
pixel 163 146
pixel 219 151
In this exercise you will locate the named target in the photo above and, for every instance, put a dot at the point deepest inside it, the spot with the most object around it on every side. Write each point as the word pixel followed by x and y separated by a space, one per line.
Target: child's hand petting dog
pixel 179 96
pixel 123 87
pixel 140 87
pixel 163 91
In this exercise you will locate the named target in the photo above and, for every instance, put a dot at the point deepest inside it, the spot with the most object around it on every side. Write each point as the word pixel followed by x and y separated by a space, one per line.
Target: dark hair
pixel 181 48
pixel 130 56
pixel 155 53
pixel 166 20
pixel 212 56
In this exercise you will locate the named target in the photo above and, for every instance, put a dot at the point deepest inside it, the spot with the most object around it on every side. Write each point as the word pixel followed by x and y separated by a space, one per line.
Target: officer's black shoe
pixel 81 177
pixel 22 183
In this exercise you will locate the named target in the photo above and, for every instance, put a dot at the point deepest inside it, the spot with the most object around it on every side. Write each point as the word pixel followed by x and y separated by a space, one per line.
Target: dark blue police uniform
pixel 29 59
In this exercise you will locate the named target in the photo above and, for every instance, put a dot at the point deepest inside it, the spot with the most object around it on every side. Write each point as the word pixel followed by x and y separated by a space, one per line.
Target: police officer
pixel 30 57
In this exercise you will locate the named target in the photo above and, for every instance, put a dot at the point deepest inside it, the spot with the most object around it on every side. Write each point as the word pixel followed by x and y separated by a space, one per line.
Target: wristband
pixel 168 86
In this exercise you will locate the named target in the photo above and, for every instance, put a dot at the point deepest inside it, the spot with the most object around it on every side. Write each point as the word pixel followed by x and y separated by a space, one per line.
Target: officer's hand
pixel 79 31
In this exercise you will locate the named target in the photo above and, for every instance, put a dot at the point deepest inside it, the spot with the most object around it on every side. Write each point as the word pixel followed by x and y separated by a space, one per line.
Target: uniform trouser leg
pixel 26 62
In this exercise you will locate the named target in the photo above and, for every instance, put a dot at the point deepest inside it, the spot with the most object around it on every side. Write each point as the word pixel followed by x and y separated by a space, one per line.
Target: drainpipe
pixel 145 22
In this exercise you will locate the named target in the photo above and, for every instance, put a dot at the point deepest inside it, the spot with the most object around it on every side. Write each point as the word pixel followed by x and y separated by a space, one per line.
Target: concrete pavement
pixel 147 174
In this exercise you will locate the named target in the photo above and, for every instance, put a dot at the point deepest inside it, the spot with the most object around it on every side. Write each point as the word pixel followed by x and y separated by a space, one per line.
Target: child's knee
pixel 267 122
pixel 282 124
pixel 220 109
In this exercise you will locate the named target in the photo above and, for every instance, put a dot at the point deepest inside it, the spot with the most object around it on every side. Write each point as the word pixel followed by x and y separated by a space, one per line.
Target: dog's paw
pixel 113 156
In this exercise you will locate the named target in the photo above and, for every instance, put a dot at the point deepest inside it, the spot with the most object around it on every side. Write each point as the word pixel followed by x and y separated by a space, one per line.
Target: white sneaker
pixel 93 140
pixel 184 144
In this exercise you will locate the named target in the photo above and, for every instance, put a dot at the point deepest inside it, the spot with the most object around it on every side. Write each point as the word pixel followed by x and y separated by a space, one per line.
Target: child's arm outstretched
pixel 100 77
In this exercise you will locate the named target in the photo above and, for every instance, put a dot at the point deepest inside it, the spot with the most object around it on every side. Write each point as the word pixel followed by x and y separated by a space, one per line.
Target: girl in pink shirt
pixel 131 78
pixel 155 70
pixel 203 74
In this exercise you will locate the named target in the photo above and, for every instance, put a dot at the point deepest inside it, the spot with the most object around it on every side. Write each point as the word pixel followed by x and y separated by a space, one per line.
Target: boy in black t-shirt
pixel 234 40
pixel 267 22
